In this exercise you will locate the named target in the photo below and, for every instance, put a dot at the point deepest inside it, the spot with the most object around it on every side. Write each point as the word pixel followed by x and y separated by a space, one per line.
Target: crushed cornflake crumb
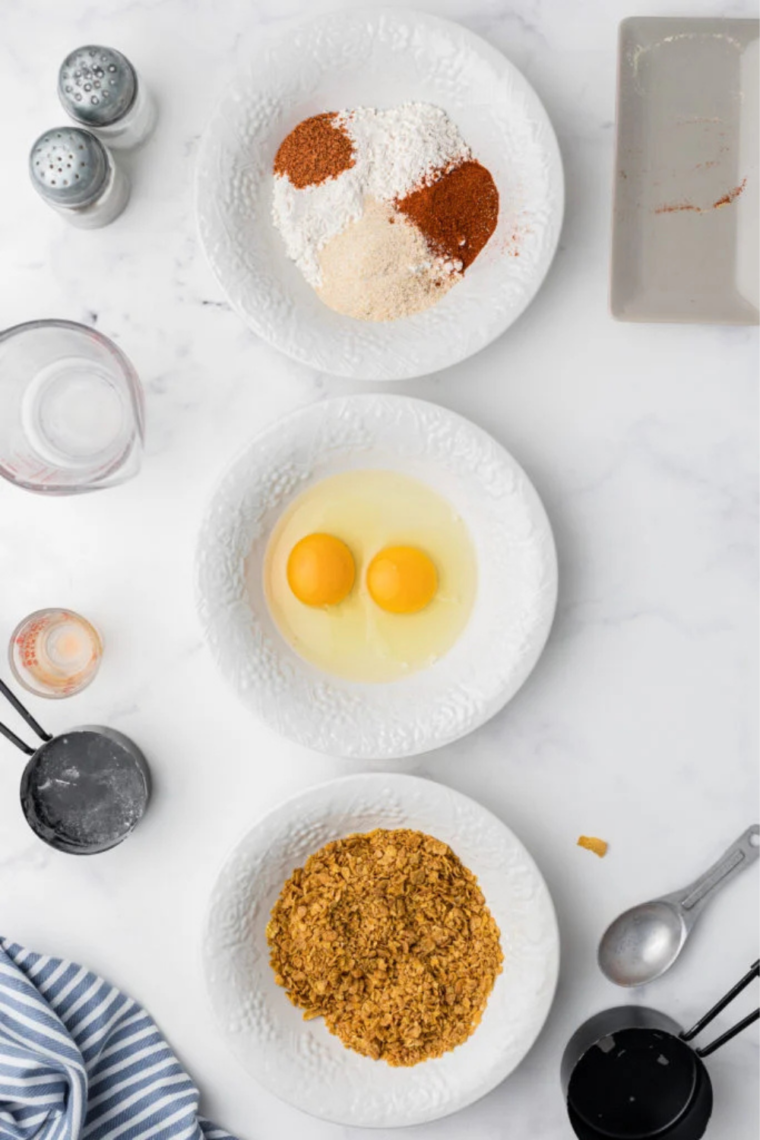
pixel 387 936
pixel 591 843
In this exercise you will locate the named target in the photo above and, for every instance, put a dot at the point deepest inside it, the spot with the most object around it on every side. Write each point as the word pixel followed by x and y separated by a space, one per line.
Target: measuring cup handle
pixel 692 899
pixel 20 744
pixel 23 712
pixel 706 1050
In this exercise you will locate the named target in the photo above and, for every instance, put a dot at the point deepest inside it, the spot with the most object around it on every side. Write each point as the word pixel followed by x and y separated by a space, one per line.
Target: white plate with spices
pixel 379 58
pixel 299 1060
pixel 505 524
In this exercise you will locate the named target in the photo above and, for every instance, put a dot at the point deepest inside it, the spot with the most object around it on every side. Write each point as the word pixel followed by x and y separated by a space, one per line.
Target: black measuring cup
pixel 83 791
pixel 630 1073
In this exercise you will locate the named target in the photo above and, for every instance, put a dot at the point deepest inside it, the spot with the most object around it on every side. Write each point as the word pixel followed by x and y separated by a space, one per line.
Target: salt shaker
pixel 77 176
pixel 100 89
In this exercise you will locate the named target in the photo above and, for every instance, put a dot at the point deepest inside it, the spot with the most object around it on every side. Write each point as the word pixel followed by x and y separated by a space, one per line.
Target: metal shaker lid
pixel 96 85
pixel 69 166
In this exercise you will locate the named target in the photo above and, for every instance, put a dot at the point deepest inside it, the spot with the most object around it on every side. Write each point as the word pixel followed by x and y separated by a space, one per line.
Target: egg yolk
pixel 402 580
pixel 321 570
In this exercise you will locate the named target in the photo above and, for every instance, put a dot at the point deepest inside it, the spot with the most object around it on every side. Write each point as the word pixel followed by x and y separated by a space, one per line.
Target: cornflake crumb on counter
pixel 592 843
pixel 388 937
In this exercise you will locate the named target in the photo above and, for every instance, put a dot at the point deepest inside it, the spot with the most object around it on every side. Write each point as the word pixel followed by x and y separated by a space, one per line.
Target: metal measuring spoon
pixel 644 942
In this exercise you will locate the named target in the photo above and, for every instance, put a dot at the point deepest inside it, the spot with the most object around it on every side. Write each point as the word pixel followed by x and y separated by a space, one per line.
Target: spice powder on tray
pixel 387 936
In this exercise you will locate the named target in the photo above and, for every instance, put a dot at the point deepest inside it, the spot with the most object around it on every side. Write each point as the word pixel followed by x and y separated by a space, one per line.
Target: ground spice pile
pixel 387 936
pixel 315 150
pixel 343 183
pixel 360 267
pixel 457 213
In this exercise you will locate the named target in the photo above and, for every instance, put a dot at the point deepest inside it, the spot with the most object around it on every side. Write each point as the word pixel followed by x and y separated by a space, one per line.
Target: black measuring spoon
pixel 83 791
pixel 630 1073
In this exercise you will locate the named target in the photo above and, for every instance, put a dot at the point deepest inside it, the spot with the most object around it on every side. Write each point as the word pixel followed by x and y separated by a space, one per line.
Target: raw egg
pixel 320 570
pixel 370 575
pixel 402 579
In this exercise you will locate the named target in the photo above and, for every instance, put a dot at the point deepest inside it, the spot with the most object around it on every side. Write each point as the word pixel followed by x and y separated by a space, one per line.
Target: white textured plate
pixel 377 58
pixel 299 1060
pixel 517 577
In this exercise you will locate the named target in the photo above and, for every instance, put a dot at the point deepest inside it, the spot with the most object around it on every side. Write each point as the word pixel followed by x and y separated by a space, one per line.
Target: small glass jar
pixel 78 177
pixel 55 653
pixel 100 89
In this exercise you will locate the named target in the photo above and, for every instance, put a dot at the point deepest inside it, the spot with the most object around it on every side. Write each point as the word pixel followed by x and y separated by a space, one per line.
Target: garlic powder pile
pixel 374 273
pixel 338 182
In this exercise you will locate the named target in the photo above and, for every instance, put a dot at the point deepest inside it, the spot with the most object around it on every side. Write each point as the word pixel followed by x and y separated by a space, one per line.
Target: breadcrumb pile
pixel 387 936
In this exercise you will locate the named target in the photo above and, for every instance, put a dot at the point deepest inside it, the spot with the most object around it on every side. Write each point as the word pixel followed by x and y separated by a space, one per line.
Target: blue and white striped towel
pixel 78 1058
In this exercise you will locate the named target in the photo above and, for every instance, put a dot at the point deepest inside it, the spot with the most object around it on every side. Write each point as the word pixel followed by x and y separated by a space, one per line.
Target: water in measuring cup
pixel 74 415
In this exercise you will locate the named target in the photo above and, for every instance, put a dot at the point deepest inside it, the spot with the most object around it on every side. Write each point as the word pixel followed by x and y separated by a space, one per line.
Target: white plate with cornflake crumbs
pixel 379 60
pixel 299 1060
pixel 686 240
pixel 489 501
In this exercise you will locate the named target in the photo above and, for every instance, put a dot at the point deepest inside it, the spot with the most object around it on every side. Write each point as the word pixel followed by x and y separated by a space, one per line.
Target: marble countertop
pixel 639 723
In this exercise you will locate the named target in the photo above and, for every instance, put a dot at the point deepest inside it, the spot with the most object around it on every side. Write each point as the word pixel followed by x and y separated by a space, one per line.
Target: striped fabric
pixel 79 1059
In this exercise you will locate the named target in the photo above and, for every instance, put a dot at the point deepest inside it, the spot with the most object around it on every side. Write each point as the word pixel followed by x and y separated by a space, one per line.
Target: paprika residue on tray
pixel 726 200
pixel 457 213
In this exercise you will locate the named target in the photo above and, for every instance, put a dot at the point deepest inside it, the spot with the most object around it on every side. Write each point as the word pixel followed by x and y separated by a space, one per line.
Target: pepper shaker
pixel 77 176
pixel 100 89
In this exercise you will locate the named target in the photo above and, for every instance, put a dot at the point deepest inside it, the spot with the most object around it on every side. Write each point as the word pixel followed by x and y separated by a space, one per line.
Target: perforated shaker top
pixel 69 166
pixel 97 85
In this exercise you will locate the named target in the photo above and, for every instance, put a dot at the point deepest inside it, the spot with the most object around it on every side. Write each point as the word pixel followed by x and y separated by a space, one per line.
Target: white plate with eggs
pixel 392 666
pixel 299 1060
pixel 378 58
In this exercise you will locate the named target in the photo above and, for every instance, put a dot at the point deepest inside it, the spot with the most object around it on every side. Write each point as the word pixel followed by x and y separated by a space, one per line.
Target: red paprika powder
pixel 458 213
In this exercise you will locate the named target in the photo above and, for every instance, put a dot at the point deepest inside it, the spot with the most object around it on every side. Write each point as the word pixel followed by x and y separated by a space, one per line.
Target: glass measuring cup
pixel 55 652
pixel 71 409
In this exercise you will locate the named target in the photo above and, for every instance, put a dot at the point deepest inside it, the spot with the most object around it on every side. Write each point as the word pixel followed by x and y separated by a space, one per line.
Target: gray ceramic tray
pixel 685 227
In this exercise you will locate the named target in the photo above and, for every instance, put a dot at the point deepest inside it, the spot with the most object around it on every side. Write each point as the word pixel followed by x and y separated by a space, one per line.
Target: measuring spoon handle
pixel 691 900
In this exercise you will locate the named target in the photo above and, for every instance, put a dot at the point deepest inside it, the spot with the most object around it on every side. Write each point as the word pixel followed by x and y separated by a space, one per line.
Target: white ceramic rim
pixel 430 341
pixel 247 886
pixel 506 633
